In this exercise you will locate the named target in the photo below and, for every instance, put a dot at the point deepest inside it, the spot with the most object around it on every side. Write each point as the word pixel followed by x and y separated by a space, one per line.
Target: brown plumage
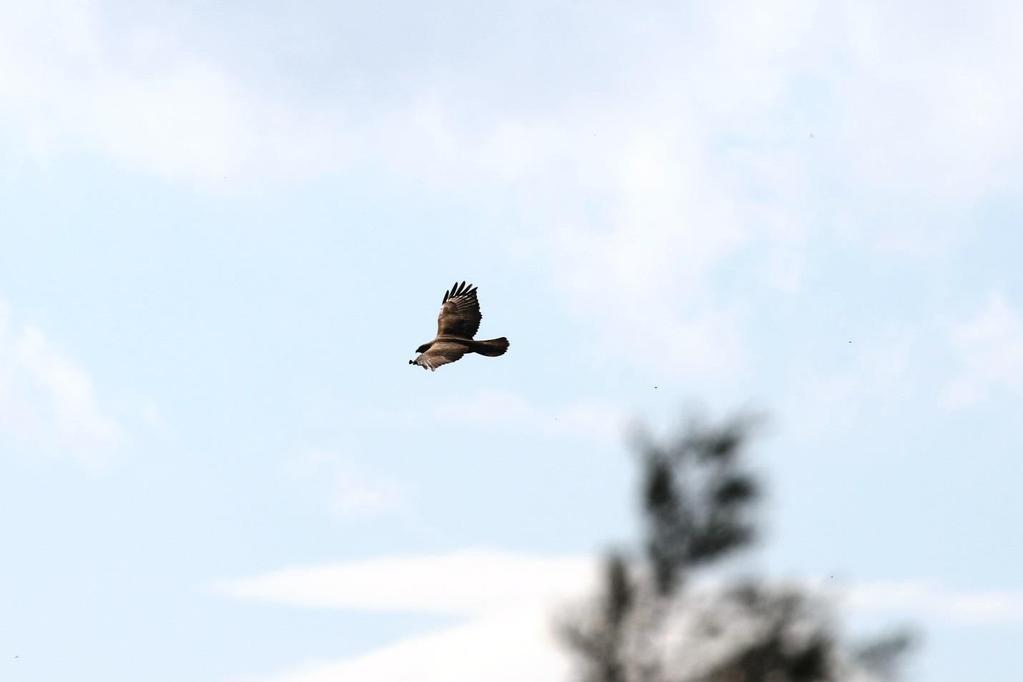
pixel 458 322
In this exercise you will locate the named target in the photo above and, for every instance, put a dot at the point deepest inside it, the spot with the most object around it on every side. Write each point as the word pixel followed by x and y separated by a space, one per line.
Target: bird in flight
pixel 458 322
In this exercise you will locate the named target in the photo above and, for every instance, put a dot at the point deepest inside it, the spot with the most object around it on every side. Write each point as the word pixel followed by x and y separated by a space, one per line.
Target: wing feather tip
pixel 463 288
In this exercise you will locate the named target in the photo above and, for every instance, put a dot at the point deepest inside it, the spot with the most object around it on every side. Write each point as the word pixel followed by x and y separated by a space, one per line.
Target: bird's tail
pixel 490 347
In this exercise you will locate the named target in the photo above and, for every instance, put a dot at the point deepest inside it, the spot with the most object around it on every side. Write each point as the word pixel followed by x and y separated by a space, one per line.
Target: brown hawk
pixel 457 323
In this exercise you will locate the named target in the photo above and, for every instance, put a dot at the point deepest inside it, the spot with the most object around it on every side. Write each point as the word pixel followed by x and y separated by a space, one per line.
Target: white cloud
pixel 930 101
pixel 350 491
pixel 989 347
pixel 642 188
pixel 930 601
pixel 877 370
pixel 145 100
pixel 357 495
pixel 642 275
pixel 506 647
pixel 48 400
pixel 466 582
pixel 512 601
pixel 670 143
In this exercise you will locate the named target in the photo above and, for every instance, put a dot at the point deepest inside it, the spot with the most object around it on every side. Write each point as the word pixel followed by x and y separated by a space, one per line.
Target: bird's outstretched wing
pixel 440 353
pixel 459 312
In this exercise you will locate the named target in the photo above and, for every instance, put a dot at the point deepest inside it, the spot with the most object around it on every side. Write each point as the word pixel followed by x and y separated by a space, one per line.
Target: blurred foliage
pixel 700 503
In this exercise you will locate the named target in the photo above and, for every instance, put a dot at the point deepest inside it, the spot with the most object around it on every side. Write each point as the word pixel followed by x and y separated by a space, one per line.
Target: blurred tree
pixel 699 500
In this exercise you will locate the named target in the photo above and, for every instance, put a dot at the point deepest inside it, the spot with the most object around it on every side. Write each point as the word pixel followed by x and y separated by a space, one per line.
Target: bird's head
pixel 425 347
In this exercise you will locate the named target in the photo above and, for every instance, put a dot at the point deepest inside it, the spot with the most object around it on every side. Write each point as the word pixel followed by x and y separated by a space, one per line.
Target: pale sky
pixel 225 227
